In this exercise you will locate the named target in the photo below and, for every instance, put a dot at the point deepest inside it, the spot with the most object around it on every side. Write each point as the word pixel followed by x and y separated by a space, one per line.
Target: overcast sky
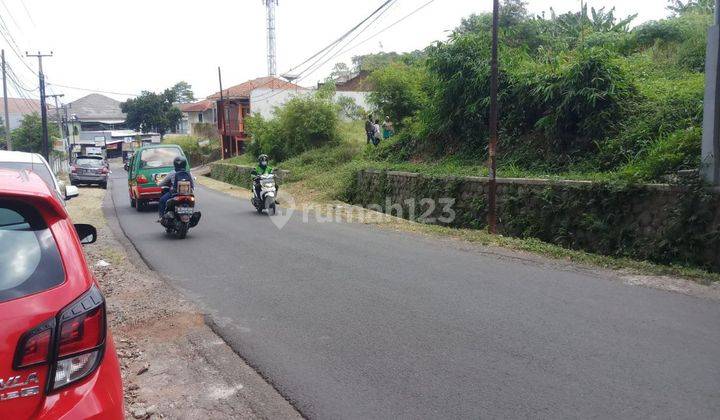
pixel 131 45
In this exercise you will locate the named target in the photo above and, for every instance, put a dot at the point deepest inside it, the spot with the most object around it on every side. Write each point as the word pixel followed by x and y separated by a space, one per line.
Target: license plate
pixel 184 210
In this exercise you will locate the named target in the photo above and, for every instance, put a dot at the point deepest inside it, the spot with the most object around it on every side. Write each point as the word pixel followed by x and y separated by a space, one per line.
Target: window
pixel 158 157
pixel 89 162
pixel 29 259
pixel 200 117
pixel 38 168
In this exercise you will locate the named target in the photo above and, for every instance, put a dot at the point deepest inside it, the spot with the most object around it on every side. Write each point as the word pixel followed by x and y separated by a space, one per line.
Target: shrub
pixel 671 153
pixel 303 123
pixel 398 91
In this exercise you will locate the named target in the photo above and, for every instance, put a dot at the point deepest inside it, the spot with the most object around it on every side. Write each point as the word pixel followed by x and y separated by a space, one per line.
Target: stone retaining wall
pixel 663 223
pixel 238 174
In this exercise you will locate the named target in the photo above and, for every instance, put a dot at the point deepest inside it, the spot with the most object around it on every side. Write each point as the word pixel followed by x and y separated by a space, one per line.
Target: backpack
pixel 183 183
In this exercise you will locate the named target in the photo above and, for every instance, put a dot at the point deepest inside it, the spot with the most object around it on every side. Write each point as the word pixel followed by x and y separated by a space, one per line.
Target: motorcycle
pixel 264 197
pixel 180 214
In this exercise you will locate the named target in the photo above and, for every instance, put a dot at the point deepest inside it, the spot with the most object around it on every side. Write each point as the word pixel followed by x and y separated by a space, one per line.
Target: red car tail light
pixel 82 327
pixel 34 346
pixel 72 343
pixel 141 179
pixel 73 169
pixel 83 332
pixel 104 170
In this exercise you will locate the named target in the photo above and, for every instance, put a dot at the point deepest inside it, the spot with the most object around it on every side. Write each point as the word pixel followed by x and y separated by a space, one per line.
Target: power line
pixel 27 12
pixel 4 5
pixel 348 42
pixel 361 42
pixel 333 44
pixel 92 90
pixel 388 27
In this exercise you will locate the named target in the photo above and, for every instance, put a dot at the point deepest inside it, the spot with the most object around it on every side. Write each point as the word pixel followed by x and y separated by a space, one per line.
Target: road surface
pixel 352 321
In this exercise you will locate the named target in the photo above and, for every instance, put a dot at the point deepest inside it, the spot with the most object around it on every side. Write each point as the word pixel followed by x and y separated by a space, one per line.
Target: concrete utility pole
pixel 710 164
pixel 5 101
pixel 57 114
pixel 492 146
pixel 43 104
pixel 270 5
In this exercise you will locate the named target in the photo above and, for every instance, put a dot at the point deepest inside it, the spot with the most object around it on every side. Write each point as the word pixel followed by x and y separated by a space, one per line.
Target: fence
pixel 59 165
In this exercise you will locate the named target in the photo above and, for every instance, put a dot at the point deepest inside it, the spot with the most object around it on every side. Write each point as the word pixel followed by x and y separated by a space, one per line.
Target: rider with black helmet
pixel 179 173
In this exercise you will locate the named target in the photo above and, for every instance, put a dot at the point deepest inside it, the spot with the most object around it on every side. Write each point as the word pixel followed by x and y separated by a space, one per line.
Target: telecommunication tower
pixel 270 5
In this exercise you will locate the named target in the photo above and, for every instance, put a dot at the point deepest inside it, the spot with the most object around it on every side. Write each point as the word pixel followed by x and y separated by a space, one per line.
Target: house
pixel 18 108
pixel 357 87
pixel 96 125
pixel 202 112
pixel 259 96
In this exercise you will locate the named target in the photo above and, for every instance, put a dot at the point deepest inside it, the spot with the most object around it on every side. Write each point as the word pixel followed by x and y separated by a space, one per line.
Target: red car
pixel 57 357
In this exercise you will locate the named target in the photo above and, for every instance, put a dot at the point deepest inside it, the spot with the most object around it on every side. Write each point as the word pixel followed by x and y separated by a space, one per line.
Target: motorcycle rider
pixel 180 173
pixel 261 169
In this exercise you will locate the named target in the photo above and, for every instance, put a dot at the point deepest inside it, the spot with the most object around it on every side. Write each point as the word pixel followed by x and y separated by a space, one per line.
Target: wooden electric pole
pixel 492 146
pixel 43 104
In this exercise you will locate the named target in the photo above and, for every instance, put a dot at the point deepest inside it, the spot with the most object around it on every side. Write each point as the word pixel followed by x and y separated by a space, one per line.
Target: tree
pixel 399 90
pixel 28 137
pixel 340 73
pixel 152 112
pixel 679 7
pixel 182 93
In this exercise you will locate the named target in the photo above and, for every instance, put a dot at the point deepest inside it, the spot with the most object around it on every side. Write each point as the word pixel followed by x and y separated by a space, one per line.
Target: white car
pixel 34 162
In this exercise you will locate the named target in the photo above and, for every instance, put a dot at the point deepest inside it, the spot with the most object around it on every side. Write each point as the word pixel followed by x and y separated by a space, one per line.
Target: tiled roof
pixel 200 106
pixel 20 106
pixel 244 90
pixel 96 107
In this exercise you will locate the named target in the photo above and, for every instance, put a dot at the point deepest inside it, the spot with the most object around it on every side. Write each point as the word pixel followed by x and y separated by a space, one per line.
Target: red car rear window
pixel 29 258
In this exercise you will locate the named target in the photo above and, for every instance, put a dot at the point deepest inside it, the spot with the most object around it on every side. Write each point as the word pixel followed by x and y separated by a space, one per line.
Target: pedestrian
pixel 388 128
pixel 377 133
pixel 369 129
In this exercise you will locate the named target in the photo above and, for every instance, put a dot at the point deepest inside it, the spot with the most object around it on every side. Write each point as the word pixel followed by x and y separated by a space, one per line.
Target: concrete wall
pixel 662 223
pixel 264 101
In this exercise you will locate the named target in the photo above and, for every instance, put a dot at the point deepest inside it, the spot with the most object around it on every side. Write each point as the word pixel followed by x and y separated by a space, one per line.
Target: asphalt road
pixel 351 321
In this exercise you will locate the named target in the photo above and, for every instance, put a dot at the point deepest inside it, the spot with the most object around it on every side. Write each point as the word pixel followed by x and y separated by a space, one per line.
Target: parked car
pixel 89 170
pixel 35 163
pixel 146 169
pixel 57 356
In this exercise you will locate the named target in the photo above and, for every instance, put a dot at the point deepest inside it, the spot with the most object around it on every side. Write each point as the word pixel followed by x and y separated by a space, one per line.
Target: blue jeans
pixel 163 203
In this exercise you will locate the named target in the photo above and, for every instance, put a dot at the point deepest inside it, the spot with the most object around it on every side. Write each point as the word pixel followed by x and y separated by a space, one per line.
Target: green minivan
pixel 147 168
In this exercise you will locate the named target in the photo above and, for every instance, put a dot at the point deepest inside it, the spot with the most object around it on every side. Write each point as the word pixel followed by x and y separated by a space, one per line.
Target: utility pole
pixel 57 116
pixel 710 162
pixel 224 116
pixel 5 102
pixel 270 5
pixel 492 146
pixel 43 104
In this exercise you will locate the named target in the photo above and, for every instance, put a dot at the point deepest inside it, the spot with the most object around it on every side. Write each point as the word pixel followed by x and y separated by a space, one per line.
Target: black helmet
pixel 263 161
pixel 179 163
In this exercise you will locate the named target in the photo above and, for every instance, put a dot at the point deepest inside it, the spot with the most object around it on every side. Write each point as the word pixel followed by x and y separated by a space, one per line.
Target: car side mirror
pixel 86 233
pixel 71 191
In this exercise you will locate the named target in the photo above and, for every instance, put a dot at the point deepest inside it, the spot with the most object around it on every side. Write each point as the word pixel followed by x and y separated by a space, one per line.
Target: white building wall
pixel 360 98
pixel 264 101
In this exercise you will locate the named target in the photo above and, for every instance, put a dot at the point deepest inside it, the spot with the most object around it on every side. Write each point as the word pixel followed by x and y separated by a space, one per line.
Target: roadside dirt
pixel 173 365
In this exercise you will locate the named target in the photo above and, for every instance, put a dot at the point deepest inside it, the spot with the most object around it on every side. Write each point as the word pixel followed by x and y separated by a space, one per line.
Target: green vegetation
pixel 198 150
pixel 582 95
pixel 303 123
pixel 156 111
pixel 28 137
